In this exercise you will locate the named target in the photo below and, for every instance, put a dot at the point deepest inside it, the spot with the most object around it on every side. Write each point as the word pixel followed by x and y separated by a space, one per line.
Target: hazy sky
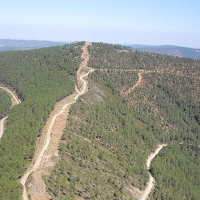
pixel 152 22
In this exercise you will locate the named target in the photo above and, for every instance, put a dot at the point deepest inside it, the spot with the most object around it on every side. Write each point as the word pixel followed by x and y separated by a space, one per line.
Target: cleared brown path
pixel 82 83
pixel 151 182
pixel 138 83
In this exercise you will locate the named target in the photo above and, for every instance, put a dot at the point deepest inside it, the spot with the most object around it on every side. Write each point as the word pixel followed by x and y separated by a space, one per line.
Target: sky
pixel 149 22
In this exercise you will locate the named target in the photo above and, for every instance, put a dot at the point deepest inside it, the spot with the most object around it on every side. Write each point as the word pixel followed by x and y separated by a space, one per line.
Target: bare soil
pixel 36 188
pixel 137 84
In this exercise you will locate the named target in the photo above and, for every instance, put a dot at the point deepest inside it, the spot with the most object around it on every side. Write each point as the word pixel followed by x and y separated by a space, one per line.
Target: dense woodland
pixel 106 56
pixel 5 103
pixel 169 96
pixel 104 143
pixel 40 78
pixel 110 134
pixel 177 172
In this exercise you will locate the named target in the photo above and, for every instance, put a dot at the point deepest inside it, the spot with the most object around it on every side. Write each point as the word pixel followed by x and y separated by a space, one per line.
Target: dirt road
pixel 138 83
pixel 151 178
pixel 15 98
pixel 15 101
pixel 82 85
pixel 2 126
pixel 151 182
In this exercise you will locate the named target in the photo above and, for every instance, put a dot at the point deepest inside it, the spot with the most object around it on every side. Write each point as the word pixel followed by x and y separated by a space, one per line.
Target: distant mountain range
pixel 11 45
pixel 169 50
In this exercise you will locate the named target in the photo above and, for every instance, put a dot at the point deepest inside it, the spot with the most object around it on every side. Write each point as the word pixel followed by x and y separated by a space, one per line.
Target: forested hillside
pixel 102 152
pixel 40 78
pixel 5 103
pixel 168 96
pixel 135 101
pixel 177 172
pixel 115 126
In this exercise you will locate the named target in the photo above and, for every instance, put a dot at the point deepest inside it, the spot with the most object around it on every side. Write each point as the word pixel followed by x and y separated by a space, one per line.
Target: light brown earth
pixel 151 182
pixel 137 84
pixel 46 154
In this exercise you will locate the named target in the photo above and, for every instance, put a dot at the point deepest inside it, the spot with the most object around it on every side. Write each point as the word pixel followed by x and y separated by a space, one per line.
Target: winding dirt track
pixel 151 178
pixel 151 182
pixel 2 126
pixel 83 87
pixel 132 88
pixel 15 101
pixel 152 155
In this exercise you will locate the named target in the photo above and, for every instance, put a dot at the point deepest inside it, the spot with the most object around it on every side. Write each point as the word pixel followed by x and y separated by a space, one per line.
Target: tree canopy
pixel 40 77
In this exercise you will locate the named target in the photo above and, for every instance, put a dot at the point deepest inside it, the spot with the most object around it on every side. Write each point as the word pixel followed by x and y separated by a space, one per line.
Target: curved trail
pixel 15 102
pixel 2 126
pixel 151 182
pixel 138 83
pixel 12 94
pixel 83 83
pixel 151 178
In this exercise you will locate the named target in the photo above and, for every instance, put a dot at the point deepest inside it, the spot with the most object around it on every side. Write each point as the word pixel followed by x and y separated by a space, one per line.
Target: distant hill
pixel 11 45
pixel 169 50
